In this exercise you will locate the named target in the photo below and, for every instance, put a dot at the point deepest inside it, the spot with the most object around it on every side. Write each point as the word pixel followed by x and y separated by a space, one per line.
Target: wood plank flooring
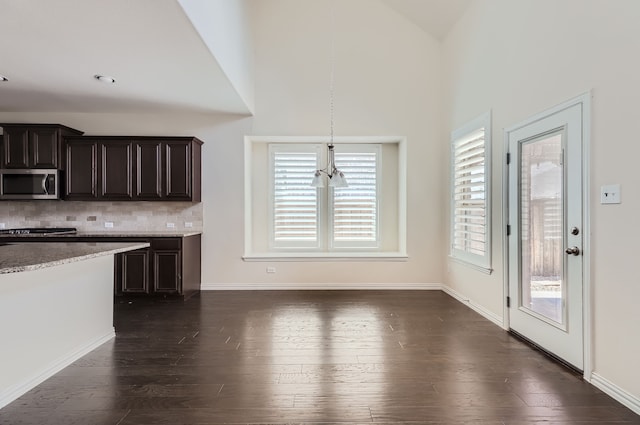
pixel 315 357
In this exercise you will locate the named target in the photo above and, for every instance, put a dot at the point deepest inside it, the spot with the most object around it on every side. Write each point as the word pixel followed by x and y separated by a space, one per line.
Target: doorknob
pixel 574 250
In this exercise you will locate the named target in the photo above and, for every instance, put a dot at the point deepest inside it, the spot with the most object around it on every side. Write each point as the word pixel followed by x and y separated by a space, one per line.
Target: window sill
pixel 483 269
pixel 332 256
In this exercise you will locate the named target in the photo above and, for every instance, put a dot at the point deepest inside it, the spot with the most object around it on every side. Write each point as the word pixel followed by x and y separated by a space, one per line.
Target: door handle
pixel 574 250
pixel 45 187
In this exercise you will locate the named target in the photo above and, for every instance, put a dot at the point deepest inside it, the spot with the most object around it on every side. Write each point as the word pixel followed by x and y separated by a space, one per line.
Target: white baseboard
pixel 611 389
pixel 476 307
pixel 318 286
pixel 15 391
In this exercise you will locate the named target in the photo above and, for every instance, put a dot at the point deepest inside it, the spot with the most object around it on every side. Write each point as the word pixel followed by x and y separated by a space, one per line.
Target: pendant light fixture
pixel 336 177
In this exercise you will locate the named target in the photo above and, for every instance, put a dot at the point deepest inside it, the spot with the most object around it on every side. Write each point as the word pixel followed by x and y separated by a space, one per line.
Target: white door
pixel 545 178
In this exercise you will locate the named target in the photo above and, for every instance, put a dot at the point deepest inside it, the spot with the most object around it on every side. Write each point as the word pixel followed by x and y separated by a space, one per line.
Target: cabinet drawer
pixel 166 244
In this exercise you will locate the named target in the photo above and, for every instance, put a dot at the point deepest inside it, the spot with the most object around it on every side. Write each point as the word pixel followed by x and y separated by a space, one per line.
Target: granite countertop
pixel 130 234
pixel 17 257
pixel 108 234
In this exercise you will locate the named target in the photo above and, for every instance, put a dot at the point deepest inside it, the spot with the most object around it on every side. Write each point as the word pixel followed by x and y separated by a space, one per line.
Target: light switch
pixel 610 194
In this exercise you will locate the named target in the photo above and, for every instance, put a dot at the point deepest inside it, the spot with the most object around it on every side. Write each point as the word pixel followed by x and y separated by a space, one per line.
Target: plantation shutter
pixel 295 202
pixel 355 208
pixel 469 227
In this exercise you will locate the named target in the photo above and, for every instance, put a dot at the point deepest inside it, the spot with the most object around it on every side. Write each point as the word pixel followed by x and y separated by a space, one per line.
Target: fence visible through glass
pixel 541 227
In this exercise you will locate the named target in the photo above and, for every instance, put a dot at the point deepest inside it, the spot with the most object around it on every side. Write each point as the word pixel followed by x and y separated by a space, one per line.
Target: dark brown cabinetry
pixel 81 182
pixel 132 272
pixel 136 168
pixel 169 267
pixel 115 170
pixel 34 145
pixel 149 175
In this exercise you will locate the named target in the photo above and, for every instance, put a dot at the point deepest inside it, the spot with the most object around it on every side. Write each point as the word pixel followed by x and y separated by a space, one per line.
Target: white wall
pixel 521 57
pixel 224 27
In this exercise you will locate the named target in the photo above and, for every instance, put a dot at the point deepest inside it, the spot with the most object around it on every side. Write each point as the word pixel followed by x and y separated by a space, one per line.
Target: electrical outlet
pixel 188 224
pixel 271 269
pixel 108 224
pixel 1 225
pixel 171 225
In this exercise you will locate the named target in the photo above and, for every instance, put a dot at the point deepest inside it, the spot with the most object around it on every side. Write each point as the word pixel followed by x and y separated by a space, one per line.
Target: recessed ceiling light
pixel 105 78
pixel 3 78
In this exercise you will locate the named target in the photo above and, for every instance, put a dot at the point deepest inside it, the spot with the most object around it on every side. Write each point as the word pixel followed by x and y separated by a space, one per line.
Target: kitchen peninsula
pixel 56 304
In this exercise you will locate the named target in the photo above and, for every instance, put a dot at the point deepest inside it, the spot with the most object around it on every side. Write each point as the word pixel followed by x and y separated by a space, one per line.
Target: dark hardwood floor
pixel 357 357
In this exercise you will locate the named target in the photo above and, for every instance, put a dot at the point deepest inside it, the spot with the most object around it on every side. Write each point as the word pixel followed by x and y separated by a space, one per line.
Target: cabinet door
pixel 116 166
pixel 148 170
pixel 16 147
pixel 178 170
pixel 167 273
pixel 81 171
pixel 132 272
pixel 44 145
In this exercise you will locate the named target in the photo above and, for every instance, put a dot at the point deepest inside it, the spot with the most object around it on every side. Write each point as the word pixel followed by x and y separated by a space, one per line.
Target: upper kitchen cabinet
pixel 183 169
pixel 134 168
pixel 115 171
pixel 34 145
pixel 81 182
pixel 148 167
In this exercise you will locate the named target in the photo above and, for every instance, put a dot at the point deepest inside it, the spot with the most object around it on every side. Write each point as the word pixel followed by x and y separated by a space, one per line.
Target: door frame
pixel 585 101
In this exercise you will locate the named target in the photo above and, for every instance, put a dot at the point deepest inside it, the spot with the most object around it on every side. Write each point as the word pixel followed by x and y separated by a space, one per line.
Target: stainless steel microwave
pixel 29 184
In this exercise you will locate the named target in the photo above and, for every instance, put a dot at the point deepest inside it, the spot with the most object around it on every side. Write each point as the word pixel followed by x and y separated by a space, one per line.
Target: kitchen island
pixel 56 305
pixel 169 268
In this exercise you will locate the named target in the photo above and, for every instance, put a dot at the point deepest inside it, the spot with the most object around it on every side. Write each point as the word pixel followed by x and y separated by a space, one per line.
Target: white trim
pixel 473 266
pixel 248 193
pixel 587 307
pixel 585 101
pixel 267 286
pixel 619 394
pixel 353 254
pixel 482 263
pixel 474 306
pixel 323 140
pixel 328 256
pixel 15 391
pixel 505 223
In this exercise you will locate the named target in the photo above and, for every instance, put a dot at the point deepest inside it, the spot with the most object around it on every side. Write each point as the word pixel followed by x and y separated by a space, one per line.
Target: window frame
pixel 475 261
pixel 396 252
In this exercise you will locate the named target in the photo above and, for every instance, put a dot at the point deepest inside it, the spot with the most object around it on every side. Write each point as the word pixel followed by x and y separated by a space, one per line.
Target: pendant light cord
pixel 332 59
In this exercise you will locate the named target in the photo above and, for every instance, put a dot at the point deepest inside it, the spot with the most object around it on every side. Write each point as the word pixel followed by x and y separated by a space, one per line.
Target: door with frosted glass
pixel 545 243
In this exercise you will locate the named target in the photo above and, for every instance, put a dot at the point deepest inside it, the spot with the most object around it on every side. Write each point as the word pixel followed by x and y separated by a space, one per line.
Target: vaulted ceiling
pixel 51 50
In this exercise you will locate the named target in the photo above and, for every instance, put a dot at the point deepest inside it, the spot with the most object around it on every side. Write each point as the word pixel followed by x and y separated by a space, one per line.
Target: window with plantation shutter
pixel 354 209
pixel 470 218
pixel 289 219
pixel 295 203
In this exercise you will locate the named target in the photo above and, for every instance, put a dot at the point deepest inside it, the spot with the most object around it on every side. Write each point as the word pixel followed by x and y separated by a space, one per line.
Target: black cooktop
pixel 40 231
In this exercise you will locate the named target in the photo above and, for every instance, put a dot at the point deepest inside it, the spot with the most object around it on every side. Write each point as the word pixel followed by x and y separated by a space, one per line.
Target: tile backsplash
pixel 92 216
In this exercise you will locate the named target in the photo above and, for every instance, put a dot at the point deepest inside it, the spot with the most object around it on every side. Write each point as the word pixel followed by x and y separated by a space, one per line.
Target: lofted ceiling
pixel 51 50
pixel 436 17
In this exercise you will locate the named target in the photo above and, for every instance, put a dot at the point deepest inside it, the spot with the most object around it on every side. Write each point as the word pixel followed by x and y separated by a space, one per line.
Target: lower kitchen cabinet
pixel 132 271
pixel 169 267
